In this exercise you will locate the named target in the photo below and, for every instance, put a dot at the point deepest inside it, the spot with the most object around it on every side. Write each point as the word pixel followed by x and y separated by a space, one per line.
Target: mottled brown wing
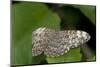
pixel 62 41
pixel 74 38
pixel 56 43
pixel 40 39
pixel 57 46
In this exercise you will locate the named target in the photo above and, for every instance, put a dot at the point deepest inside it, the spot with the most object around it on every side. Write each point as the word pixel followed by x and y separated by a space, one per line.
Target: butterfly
pixel 56 43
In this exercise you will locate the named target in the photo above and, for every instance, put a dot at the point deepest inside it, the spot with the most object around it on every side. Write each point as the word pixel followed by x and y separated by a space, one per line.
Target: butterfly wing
pixel 62 41
pixel 56 43
pixel 74 38
pixel 38 41
pixel 56 46
pixel 52 50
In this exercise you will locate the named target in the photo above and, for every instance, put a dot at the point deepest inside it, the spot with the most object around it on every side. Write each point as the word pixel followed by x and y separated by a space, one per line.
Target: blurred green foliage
pixel 89 11
pixel 26 17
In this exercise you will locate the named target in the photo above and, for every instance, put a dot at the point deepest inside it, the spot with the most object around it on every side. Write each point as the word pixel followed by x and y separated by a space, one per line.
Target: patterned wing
pixel 74 38
pixel 56 43
pixel 56 46
pixel 40 39
pixel 38 42
pixel 62 41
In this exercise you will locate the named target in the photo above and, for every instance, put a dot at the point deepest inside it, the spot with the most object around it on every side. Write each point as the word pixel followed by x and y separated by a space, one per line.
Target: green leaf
pixel 73 55
pixel 26 17
pixel 89 11
pixel 72 16
pixel 92 59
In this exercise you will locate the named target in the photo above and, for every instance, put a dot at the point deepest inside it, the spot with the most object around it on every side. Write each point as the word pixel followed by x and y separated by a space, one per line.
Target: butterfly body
pixel 55 43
